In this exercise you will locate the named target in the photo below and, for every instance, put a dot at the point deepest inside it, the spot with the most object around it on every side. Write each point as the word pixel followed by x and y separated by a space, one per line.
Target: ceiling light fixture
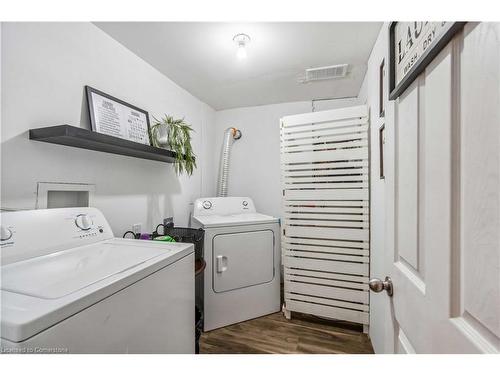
pixel 241 40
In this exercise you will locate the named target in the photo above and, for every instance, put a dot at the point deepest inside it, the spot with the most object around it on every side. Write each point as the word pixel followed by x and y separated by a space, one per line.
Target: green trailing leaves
pixel 179 141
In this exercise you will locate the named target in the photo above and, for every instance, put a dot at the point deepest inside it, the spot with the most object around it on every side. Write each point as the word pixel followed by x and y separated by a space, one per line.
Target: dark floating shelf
pixel 82 138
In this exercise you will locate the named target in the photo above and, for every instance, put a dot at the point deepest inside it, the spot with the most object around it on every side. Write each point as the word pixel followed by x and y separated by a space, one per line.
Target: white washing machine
pixel 242 252
pixel 68 286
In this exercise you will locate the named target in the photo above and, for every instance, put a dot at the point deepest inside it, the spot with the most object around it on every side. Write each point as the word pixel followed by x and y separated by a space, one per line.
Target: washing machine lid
pixel 42 291
pixel 216 221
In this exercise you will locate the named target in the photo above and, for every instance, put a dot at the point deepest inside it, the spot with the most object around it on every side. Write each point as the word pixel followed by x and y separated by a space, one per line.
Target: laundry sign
pixel 413 45
pixel 114 117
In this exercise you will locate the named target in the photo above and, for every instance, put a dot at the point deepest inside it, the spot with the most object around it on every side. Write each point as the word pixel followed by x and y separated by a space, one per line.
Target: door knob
pixel 377 285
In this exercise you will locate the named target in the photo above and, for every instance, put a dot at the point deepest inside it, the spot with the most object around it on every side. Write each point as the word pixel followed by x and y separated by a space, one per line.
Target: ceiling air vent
pixel 325 72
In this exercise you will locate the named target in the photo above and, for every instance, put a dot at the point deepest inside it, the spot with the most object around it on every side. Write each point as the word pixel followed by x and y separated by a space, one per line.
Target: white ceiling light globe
pixel 241 41
pixel 242 52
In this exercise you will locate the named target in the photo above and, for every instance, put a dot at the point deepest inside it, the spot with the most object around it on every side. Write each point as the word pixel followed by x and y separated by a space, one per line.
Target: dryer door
pixel 242 259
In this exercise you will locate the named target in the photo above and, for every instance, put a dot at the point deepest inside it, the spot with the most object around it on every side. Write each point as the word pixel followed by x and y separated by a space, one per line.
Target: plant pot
pixel 160 136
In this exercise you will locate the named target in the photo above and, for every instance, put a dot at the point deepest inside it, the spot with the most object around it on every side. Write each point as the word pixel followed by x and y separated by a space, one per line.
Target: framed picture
pixel 112 116
pixel 412 46
pixel 381 144
pixel 381 95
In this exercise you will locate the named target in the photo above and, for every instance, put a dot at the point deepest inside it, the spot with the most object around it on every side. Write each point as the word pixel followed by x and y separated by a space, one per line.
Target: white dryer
pixel 68 286
pixel 242 252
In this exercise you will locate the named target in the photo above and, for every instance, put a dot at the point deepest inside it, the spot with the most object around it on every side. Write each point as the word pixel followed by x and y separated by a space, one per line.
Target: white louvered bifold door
pixel 326 225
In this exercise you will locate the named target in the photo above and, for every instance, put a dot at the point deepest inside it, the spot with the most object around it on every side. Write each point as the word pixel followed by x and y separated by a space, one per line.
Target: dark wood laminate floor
pixel 275 334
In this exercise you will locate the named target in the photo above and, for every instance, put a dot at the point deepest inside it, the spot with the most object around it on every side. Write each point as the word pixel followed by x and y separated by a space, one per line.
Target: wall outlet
pixel 136 228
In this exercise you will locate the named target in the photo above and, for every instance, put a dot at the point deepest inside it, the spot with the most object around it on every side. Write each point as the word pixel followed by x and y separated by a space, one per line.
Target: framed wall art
pixel 112 116
pixel 381 145
pixel 412 46
pixel 381 90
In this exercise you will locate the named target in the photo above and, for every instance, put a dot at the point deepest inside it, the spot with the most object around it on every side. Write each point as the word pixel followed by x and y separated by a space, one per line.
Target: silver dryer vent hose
pixel 230 135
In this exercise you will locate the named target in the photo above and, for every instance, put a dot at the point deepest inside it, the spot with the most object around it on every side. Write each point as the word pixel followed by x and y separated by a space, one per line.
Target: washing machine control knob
pixel 83 222
pixel 6 234
pixel 207 205
pixel 245 203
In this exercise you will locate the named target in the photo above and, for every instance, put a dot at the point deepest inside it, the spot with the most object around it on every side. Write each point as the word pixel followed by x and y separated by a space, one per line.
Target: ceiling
pixel 201 57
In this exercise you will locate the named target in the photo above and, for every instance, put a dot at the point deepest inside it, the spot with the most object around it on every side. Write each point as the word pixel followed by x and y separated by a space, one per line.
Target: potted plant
pixel 175 134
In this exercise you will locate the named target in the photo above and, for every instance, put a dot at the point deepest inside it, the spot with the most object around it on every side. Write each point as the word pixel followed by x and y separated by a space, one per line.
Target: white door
pixel 443 201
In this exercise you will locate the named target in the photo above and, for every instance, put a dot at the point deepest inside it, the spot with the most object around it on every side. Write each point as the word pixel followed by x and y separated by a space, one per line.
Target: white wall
pixel 255 158
pixel 380 328
pixel 44 69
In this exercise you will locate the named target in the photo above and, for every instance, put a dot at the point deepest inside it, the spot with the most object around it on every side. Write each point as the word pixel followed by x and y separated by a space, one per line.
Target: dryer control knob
pixel 245 203
pixel 83 222
pixel 207 205
pixel 6 234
